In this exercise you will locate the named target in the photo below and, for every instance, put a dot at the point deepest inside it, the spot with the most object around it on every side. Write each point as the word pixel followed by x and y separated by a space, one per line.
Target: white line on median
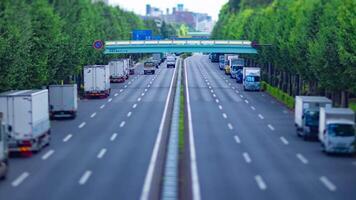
pixel 253 108
pixel 20 179
pixel 85 177
pixel 328 183
pixel 134 106
pixel 230 126
pixel 302 158
pixel 129 114
pixel 260 116
pixel 193 160
pixel 82 125
pixel 151 167
pixel 48 154
pixel 271 127
pixel 113 137
pixel 122 124
pixel 284 140
pixel 101 153
pixel 237 139
pixel 247 157
pixel 224 115
pixel 67 138
pixel 93 115
pixel 261 184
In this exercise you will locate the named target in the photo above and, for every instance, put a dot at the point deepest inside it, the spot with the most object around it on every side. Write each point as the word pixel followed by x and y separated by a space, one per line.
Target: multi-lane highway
pixel 104 153
pixel 242 146
pixel 246 146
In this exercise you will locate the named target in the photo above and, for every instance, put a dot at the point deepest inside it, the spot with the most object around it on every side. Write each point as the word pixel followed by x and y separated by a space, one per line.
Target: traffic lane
pixel 324 166
pixel 71 147
pixel 261 157
pixel 222 174
pixel 275 115
pixel 129 159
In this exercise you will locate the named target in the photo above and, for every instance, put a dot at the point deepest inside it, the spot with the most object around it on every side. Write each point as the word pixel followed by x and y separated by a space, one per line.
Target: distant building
pixel 180 7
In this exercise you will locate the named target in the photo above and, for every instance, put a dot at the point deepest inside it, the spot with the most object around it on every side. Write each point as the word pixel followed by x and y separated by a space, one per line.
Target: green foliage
pixel 311 39
pixel 352 104
pixel 46 41
pixel 279 95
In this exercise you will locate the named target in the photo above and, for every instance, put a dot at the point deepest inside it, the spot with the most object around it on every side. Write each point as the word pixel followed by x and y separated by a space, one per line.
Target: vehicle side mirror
pixel 9 128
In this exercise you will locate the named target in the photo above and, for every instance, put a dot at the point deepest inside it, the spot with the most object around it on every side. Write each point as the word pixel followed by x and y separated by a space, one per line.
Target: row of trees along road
pixel 313 43
pixel 45 41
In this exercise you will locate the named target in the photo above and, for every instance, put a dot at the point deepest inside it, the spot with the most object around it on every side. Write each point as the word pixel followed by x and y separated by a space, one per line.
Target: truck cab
pixel 3 150
pixel 251 78
pixel 149 67
pixel 237 65
pixel 337 130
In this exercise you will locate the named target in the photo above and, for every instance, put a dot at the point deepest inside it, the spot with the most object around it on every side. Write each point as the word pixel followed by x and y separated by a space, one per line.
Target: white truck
pixel 337 130
pixel 251 77
pixel 149 67
pixel 63 100
pixel 127 68
pixel 3 149
pixel 97 81
pixel 171 61
pixel 117 71
pixel 306 115
pixel 26 115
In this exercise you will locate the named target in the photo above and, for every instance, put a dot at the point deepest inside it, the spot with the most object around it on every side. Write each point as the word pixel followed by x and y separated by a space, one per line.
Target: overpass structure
pixel 180 46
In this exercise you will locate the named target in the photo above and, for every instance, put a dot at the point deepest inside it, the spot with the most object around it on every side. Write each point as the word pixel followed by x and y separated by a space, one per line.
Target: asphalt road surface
pixel 247 148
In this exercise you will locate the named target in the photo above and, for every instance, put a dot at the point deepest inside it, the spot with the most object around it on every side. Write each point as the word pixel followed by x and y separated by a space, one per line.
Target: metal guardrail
pixel 179 42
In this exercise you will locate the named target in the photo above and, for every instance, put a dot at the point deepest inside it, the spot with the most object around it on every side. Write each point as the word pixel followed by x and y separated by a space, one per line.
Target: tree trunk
pixel 344 99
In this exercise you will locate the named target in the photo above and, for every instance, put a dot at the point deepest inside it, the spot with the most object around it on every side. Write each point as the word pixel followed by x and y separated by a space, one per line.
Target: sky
pixel 211 7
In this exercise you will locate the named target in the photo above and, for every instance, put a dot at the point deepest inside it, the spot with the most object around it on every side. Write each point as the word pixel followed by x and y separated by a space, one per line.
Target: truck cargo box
pixel 97 80
pixel 26 114
pixel 117 71
pixel 63 100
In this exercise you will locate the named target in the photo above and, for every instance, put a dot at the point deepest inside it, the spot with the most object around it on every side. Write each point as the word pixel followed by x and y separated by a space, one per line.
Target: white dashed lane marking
pixel 85 177
pixel 20 179
pixel 113 136
pixel 328 184
pixel 67 138
pixel 93 115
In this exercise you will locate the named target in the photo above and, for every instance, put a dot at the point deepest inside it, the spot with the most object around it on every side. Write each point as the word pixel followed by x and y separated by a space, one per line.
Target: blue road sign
pixel 98 44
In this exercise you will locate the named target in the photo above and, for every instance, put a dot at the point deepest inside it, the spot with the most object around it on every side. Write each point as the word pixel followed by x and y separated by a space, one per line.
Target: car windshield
pixel 341 130
pixel 312 118
pixel 252 78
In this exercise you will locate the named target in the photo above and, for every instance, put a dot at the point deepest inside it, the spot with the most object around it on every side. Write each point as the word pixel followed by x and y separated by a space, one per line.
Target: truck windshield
pixel 149 64
pixel 312 118
pixel 252 78
pixel 341 130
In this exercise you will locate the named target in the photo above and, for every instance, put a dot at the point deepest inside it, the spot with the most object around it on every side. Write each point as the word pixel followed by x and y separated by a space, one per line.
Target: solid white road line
pixel 67 138
pixel 149 175
pixel 129 114
pixel 328 183
pixel 93 115
pixel 122 124
pixel 302 158
pixel 193 160
pixel 271 127
pixel 48 154
pixel 102 106
pixel 82 125
pixel 113 136
pixel 247 157
pixel 237 139
pixel 261 184
pixel 134 106
pixel 109 100
pixel 253 108
pixel 230 126
pixel 284 140
pixel 260 116
pixel 224 115
pixel 220 107
pixel 101 153
pixel 20 179
pixel 85 177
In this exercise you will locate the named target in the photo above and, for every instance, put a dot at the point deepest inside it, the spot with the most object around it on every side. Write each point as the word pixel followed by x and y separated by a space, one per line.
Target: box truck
pixel 149 67
pixel 306 114
pixel 26 115
pixel 251 78
pixel 97 81
pixel 222 62
pixel 3 149
pixel 337 130
pixel 131 67
pixel 63 100
pixel 117 71
pixel 171 61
